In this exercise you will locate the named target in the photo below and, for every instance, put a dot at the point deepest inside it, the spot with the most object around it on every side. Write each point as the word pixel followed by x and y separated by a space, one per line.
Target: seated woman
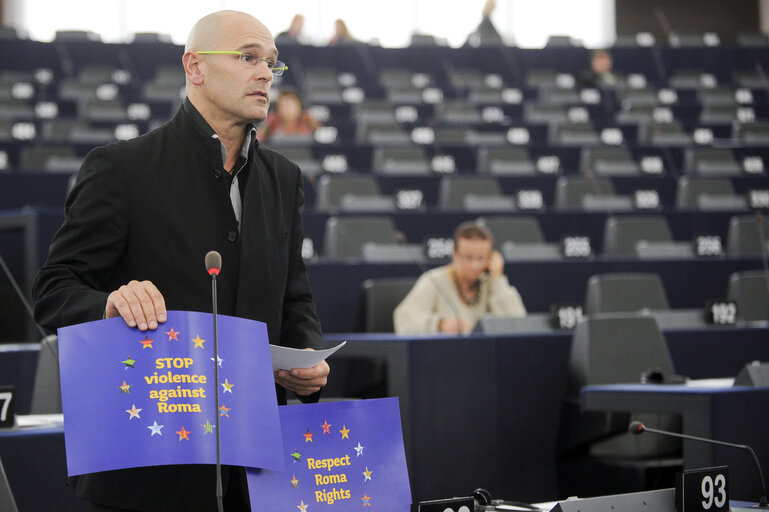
pixel 452 298
pixel 289 118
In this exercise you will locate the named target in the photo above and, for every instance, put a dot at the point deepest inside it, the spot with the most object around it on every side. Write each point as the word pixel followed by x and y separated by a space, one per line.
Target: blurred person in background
pixel 292 35
pixel 451 299
pixel 341 34
pixel 289 119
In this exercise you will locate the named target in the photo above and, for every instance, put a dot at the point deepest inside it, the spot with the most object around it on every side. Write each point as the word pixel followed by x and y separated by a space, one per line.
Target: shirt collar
pixel 203 127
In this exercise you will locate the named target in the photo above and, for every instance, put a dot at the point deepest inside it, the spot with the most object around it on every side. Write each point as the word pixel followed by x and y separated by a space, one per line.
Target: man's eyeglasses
pixel 277 67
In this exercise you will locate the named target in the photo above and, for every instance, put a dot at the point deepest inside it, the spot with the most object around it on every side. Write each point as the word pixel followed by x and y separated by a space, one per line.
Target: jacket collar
pixel 198 135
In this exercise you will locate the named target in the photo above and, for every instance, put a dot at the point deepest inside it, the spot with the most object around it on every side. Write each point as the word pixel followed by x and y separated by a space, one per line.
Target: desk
pixel 36 466
pixel 477 411
pixel 483 410
pixel 734 414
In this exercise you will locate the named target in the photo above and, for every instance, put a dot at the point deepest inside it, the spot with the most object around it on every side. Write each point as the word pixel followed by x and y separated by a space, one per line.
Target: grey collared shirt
pixel 240 164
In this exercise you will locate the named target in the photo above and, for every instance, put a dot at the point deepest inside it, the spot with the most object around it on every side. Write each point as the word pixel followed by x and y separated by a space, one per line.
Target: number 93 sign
pixel 701 490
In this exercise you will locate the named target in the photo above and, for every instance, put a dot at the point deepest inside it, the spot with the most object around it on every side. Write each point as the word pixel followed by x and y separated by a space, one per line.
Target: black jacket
pixel 150 209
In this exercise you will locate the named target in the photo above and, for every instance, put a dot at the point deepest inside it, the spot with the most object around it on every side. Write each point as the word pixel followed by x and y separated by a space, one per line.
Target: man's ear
pixel 191 62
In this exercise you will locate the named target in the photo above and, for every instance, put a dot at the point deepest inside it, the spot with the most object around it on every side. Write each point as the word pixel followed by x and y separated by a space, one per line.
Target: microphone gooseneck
pixel 638 428
pixel 213 266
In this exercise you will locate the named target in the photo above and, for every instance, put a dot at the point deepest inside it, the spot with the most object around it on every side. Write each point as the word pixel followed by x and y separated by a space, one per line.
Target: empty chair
pixel 707 194
pixel 691 79
pixel 752 39
pixel 624 292
pixel 750 79
pixel 596 447
pixel 341 191
pixel 548 78
pixel 751 134
pixel 750 290
pixel 382 134
pixel 458 112
pixel 410 160
pixel 747 237
pixel 380 298
pixel 455 189
pixel 559 97
pixel 16 110
pixel 302 156
pixel 344 236
pixel 374 112
pixel 103 110
pixel 621 235
pixel 608 162
pixel 573 134
pixel 520 239
pixel 49 158
pixel 392 78
pixel 663 135
pixel 536 113
pixel 711 162
pixel 46 391
pixel 571 190
pixel 505 161
pixel 637 98
pixel 718 97
pixel 523 230
pixel 464 79
pixel 718 115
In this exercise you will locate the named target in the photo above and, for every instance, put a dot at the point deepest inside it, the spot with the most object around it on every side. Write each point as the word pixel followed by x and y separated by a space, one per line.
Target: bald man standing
pixel 143 214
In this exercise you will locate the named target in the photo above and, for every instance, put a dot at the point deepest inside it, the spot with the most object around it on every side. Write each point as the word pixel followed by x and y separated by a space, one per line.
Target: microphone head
pixel 636 428
pixel 213 262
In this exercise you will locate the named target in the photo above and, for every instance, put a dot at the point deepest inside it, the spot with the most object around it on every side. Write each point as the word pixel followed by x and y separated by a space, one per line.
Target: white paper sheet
pixel 285 358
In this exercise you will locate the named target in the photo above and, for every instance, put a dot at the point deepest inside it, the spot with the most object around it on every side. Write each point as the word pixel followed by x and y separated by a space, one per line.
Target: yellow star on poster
pixel 366 500
pixel 173 335
pixel 198 341
pixel 302 507
pixel 134 412
pixel 294 481
pixel 183 434
pixel 146 342
pixel 308 436
pixel 345 431
pixel 227 386
pixel 125 388
pixel 367 474
pixel 326 427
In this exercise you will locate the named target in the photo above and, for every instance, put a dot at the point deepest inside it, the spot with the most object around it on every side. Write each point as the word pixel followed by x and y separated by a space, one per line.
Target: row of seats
pixel 375 238
pixel 362 193
pixel 606 293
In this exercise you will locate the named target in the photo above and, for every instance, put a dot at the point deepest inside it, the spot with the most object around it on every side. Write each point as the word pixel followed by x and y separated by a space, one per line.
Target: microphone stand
pixel 637 428
pixel 219 492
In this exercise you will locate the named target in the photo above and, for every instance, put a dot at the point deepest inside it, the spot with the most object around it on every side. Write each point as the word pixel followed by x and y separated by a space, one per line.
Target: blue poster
pixel 340 456
pixel 133 398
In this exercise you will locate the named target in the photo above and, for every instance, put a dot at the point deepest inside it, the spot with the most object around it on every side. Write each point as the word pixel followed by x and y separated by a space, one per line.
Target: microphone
pixel 213 266
pixel 213 262
pixel 638 428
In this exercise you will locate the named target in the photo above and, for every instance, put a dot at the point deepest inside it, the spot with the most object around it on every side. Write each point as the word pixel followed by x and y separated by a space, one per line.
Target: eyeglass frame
pixel 277 68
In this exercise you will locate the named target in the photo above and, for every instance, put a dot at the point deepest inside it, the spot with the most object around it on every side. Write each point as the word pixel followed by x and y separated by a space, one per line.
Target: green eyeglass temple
pixel 278 70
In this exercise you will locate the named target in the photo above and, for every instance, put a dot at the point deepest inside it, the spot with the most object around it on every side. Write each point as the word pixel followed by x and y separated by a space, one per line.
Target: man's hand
pixel 304 381
pixel 139 303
